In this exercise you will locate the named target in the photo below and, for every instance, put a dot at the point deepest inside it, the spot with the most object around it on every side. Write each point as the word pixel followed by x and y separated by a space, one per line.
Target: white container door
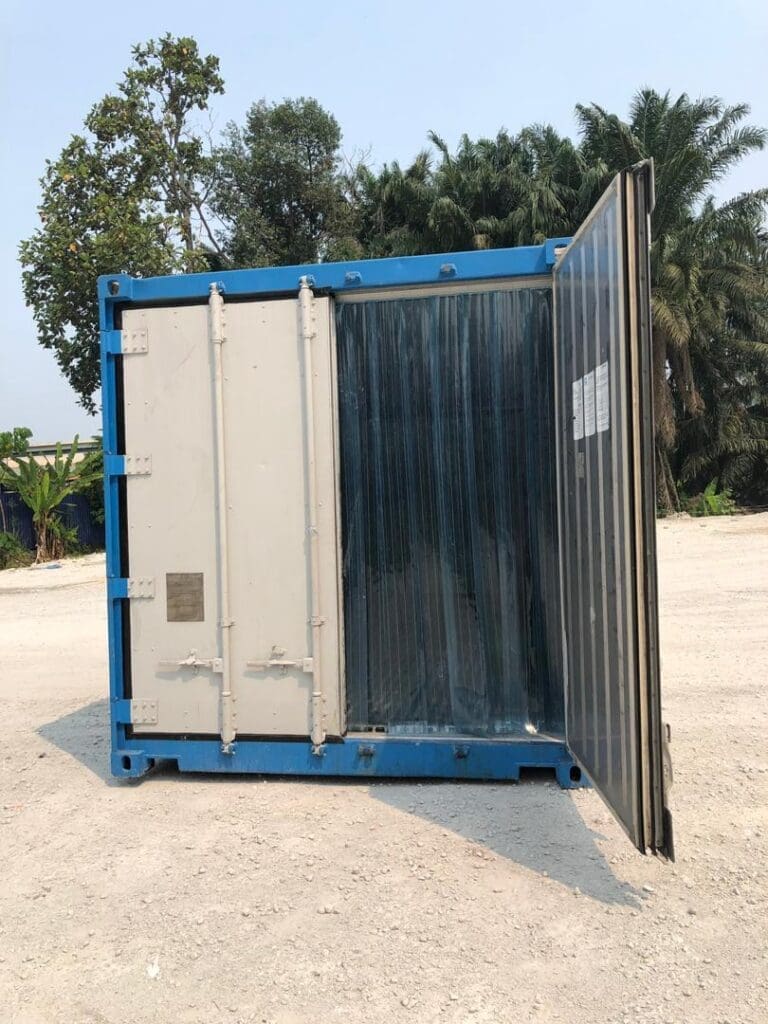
pixel 235 618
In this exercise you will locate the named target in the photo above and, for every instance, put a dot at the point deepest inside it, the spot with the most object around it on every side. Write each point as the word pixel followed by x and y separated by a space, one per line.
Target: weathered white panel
pixel 267 481
pixel 172 515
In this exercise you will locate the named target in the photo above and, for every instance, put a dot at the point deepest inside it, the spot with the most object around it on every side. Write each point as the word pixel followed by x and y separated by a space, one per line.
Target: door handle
pixel 192 661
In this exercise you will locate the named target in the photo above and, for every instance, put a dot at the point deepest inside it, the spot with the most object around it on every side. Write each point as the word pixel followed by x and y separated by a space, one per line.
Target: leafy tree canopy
pixel 142 191
pixel 121 197
pixel 279 192
pixel 14 441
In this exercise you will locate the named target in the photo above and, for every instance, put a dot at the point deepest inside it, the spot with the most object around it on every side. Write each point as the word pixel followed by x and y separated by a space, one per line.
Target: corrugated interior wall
pixel 451 600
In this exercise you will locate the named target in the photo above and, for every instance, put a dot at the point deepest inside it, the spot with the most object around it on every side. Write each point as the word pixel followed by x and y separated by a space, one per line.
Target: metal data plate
pixel 184 596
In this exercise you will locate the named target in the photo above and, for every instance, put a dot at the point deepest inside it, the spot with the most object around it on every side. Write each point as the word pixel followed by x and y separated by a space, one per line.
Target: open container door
pixel 606 509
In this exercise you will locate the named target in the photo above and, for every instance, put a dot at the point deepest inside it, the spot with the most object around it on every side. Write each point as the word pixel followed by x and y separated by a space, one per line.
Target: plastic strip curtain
pixel 452 621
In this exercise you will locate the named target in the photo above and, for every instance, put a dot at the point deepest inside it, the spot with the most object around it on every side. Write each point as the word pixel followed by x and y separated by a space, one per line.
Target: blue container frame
pixel 358 755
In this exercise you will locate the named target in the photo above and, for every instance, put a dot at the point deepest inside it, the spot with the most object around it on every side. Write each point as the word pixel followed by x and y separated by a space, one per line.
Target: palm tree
pixel 706 266
pixel 490 193
pixel 708 262
pixel 392 207
pixel 728 442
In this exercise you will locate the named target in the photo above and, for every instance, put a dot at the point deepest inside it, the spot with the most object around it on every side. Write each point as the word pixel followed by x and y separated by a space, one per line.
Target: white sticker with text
pixel 578 409
pixel 602 398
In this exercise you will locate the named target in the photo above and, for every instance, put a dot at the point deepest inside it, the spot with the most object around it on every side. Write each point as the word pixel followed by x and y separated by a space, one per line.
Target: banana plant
pixel 43 486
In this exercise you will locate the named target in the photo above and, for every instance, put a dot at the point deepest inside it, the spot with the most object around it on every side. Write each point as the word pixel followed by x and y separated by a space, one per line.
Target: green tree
pixel 278 188
pixel 149 124
pixel 43 486
pixel 707 261
pixel 726 441
pixel 392 207
pixel 12 442
pixel 510 190
pixel 124 196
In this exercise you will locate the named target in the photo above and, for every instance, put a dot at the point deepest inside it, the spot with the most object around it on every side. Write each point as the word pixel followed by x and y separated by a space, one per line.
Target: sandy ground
pixel 205 899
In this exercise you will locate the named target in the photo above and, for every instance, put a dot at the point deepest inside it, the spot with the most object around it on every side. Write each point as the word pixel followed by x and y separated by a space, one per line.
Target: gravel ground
pixel 205 899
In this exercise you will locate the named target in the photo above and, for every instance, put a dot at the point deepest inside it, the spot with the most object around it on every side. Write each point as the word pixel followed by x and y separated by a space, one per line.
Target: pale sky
pixel 389 71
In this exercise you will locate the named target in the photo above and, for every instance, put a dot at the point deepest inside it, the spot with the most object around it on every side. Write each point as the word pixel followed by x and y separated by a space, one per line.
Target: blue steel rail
pixel 353 756
pixel 360 275
pixel 382 756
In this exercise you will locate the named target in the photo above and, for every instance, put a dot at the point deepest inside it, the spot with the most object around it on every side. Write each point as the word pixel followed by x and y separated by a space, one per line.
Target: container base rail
pixel 357 757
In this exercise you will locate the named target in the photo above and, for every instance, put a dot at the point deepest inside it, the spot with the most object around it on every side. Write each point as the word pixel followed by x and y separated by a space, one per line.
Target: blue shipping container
pixel 392 517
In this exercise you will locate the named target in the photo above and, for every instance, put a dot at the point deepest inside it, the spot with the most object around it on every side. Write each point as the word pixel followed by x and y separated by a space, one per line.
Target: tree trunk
pixel 682 370
pixel 41 554
pixel 665 426
pixel 667 498
pixel 45 542
pixel 186 228
pixel 663 406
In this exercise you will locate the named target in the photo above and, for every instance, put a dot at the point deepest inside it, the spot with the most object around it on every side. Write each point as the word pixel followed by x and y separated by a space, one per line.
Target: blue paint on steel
pixel 487 264
pixel 113 341
pixel 368 757
pixel 550 246
pixel 114 465
pixel 117 588
pixel 379 757
pixel 115 599
pixel 121 711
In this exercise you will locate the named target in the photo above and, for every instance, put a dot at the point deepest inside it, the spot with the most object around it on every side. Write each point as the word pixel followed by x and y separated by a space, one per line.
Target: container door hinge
pixel 135 341
pixel 127 343
pixel 135 712
pixel 128 465
pixel 138 465
pixel 140 587
pixel 135 588
pixel 143 712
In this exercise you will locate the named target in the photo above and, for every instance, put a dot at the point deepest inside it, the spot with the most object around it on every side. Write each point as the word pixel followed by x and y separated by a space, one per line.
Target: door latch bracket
pixel 278 660
pixel 216 665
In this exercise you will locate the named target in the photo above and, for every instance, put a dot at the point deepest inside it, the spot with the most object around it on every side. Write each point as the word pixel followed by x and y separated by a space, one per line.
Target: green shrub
pixel 12 552
pixel 43 486
pixel 710 502
pixel 64 539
